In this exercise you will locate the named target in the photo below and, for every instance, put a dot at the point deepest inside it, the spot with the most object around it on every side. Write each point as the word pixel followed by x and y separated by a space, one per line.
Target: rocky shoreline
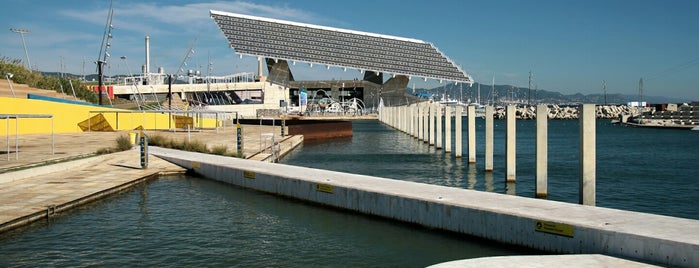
pixel 568 113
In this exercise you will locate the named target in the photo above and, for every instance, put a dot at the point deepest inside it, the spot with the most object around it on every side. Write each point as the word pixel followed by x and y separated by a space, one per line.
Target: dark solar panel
pixel 336 47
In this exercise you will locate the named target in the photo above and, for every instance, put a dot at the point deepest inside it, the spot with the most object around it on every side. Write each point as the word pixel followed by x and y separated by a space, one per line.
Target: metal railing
pixel 16 117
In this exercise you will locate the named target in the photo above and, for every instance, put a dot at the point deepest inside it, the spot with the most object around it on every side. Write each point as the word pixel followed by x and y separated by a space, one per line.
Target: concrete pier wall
pixel 540 224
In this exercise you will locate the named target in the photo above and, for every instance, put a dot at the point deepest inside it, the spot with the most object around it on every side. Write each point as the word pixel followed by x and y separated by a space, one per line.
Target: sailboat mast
pixel 604 88
pixel 492 92
pixel 479 94
pixel 208 74
pixel 529 93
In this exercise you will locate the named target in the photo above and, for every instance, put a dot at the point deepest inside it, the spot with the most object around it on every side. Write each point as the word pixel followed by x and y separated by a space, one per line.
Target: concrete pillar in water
pixel 396 118
pixel 510 144
pixel 458 132
pixel 489 138
pixel 472 134
pixel 587 157
pixel 426 123
pixel 438 121
pixel 541 188
pixel 433 114
pixel 411 120
pixel 416 119
pixel 396 114
pixel 401 118
pixel 406 119
pixel 420 130
pixel 447 129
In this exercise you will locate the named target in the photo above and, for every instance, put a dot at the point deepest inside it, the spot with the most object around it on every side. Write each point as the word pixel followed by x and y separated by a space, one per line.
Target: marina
pixel 282 167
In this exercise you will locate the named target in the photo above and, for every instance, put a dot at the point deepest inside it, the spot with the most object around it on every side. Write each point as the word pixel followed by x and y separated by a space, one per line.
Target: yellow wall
pixel 67 117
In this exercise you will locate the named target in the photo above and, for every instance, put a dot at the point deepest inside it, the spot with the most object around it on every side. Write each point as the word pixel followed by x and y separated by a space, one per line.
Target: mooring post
pixel 406 119
pixel 542 113
pixel 471 134
pixel 409 120
pixel 447 130
pixel 283 126
pixel 458 132
pixel 239 137
pixel 426 123
pixel 420 126
pixel 394 117
pixel 432 116
pixel 489 138
pixel 399 118
pixel 438 121
pixel 510 144
pixel 143 149
pixel 587 157
pixel 416 118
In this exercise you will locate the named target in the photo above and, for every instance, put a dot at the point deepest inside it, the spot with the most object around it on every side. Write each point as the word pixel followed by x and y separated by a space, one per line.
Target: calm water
pixel 646 170
pixel 189 221
pixel 194 222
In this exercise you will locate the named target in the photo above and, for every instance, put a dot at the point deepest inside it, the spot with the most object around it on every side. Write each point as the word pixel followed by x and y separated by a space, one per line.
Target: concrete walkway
pixel 543 261
pixel 31 197
pixel 36 183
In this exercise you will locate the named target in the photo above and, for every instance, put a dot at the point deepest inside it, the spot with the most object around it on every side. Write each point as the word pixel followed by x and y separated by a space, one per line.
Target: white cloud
pixel 154 17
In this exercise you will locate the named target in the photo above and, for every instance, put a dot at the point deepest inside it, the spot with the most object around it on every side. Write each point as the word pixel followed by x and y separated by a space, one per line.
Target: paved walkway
pixel 36 183
pixel 543 261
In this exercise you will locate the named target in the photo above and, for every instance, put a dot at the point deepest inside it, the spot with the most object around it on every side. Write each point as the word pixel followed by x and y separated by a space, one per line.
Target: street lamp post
pixel 21 32
pixel 100 64
pixel 8 76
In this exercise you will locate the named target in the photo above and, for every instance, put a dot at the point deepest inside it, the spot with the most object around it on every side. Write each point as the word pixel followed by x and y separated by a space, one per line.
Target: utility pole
pixel 21 32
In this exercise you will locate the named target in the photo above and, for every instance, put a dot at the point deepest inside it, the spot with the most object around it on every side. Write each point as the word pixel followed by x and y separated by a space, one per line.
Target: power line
pixel 680 67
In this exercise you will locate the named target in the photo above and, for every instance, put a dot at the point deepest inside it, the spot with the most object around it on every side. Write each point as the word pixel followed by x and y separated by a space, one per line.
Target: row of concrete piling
pixel 430 122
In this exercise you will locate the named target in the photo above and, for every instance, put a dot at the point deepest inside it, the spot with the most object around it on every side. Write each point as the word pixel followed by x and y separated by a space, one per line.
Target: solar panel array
pixel 292 41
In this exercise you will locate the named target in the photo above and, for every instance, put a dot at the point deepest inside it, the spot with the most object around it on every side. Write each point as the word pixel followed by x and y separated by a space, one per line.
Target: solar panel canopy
pixel 300 42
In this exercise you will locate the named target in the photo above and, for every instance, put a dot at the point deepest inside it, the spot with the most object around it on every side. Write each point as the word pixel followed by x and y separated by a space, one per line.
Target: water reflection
pixel 143 203
pixel 510 188
pixel 458 170
pixel 489 182
pixel 472 176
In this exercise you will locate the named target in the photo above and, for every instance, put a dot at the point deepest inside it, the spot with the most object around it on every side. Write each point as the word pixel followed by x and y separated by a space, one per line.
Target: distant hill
pixel 509 92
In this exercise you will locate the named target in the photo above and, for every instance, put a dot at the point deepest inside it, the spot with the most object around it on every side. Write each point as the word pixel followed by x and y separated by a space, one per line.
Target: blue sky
pixel 569 46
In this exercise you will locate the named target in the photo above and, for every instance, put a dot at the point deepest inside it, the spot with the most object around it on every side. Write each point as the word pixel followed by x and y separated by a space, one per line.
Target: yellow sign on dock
pixel 324 188
pixel 554 228
pixel 196 164
pixel 248 174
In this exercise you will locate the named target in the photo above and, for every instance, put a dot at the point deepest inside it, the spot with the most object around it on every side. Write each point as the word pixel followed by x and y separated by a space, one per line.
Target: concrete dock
pixel 36 184
pixel 30 197
pixel 539 224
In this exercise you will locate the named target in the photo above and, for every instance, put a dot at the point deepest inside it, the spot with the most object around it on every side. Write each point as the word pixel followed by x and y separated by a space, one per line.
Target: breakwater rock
pixel 567 112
